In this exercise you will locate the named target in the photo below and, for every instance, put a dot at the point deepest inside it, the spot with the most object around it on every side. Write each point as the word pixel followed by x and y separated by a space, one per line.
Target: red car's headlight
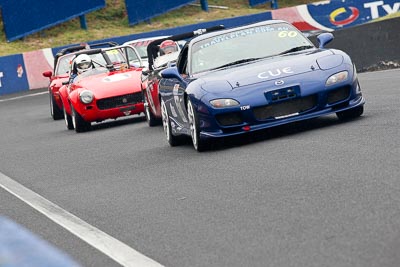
pixel 86 96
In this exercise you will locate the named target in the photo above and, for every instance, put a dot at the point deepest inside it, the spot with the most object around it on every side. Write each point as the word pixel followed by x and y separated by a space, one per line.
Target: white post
pixel 1 76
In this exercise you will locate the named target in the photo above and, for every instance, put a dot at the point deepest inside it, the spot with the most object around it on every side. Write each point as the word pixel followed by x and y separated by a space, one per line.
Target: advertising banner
pixel 348 13
pixel 12 75
pixel 336 14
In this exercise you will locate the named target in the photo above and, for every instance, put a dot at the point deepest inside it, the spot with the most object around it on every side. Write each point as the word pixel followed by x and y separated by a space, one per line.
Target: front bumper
pixel 254 125
pixel 91 113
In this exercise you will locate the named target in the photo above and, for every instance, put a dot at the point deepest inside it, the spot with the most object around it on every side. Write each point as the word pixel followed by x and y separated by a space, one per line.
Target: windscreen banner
pixel 24 17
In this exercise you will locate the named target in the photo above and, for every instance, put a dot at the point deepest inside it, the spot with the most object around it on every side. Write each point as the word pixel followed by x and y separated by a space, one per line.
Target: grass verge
pixel 112 21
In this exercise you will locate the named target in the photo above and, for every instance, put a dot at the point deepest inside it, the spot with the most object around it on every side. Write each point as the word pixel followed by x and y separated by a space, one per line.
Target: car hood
pixel 274 68
pixel 112 83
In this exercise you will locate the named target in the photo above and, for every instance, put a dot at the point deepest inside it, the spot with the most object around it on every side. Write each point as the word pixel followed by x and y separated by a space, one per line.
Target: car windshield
pixel 163 60
pixel 116 56
pixel 141 47
pixel 63 65
pixel 246 45
pixel 142 50
pixel 91 72
pixel 133 57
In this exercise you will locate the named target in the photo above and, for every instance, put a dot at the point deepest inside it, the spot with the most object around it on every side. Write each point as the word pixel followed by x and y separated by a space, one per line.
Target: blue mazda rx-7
pixel 254 77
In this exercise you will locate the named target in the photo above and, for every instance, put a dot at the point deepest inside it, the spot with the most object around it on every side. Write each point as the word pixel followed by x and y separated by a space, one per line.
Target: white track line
pixel 23 96
pixel 113 248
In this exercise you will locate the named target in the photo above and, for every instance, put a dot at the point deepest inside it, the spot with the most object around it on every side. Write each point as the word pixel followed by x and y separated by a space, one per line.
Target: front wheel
pixel 350 113
pixel 68 120
pixel 198 143
pixel 55 112
pixel 79 123
pixel 172 139
pixel 151 119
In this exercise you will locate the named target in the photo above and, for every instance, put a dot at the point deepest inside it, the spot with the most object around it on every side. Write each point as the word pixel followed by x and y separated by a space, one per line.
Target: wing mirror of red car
pixel 110 67
pixel 47 74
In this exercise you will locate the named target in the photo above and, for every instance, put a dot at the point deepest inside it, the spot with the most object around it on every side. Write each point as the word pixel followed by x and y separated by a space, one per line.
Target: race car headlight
pixel 86 96
pixel 224 103
pixel 338 77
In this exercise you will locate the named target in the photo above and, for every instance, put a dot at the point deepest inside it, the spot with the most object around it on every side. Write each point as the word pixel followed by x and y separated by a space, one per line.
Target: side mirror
pixel 171 73
pixel 324 39
pixel 110 67
pixel 171 63
pixel 47 74
pixel 145 74
pixel 145 71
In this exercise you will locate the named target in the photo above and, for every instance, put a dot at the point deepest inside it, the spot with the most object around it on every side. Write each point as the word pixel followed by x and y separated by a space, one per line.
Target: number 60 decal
pixel 290 34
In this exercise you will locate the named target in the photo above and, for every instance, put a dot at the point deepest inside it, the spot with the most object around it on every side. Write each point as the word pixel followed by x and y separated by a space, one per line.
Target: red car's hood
pixel 112 83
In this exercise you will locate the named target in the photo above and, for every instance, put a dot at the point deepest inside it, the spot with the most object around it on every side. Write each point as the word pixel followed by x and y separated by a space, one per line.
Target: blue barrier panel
pixel 12 75
pixel 143 10
pixel 204 5
pixel 274 3
pixel 24 17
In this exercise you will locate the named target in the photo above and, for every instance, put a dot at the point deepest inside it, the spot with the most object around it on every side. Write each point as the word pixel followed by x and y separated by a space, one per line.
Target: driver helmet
pixel 167 47
pixel 83 63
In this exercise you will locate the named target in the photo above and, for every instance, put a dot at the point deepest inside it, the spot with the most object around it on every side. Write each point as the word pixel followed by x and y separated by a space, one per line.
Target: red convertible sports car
pixel 141 46
pixel 61 74
pixel 158 61
pixel 103 84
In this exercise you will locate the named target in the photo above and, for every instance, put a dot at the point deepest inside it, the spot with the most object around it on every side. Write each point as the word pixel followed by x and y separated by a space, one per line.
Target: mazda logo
pixel 279 82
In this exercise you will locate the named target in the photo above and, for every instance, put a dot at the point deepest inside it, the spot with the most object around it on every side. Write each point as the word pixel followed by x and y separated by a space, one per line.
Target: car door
pixel 151 91
pixel 172 92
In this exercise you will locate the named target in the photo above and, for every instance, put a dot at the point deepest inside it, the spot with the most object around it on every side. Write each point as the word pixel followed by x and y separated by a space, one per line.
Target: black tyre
pixel 350 113
pixel 79 123
pixel 172 139
pixel 55 112
pixel 198 143
pixel 68 120
pixel 150 118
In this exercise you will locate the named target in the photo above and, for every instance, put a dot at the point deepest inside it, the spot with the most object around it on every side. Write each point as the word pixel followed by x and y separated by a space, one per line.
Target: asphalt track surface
pixel 316 193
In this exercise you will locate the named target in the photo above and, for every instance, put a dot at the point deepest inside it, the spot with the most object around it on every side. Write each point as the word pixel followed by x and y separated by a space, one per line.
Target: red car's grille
pixel 285 108
pixel 119 101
